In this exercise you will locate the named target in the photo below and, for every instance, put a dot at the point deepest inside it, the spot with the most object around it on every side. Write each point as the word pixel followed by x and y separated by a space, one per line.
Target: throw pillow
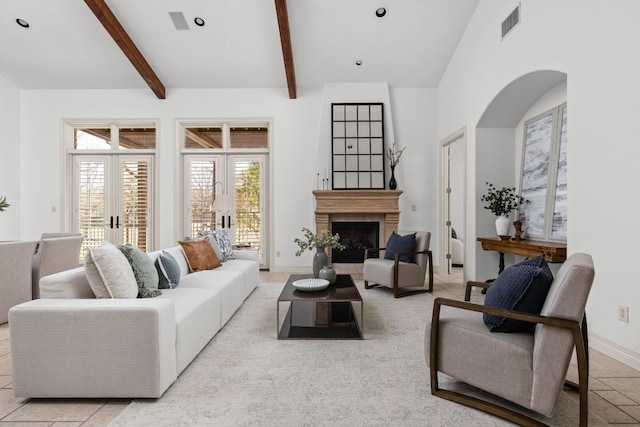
pixel 143 270
pixel 200 255
pixel 400 244
pixel 521 287
pixel 222 237
pixel 168 271
pixel 109 273
pixel 212 240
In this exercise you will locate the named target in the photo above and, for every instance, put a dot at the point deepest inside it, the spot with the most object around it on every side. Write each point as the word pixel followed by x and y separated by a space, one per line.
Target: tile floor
pixel 614 387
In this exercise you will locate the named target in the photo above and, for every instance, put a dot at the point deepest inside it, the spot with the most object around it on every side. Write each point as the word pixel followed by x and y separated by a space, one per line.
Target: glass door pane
pixel 247 225
pixel 204 192
pixel 134 218
pixel 90 199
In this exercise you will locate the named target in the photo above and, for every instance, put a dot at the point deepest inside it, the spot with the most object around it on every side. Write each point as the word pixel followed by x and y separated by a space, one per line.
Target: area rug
pixel 246 377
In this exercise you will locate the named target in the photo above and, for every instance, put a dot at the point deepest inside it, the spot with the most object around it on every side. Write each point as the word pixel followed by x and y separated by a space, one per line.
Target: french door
pixel 227 192
pixel 112 199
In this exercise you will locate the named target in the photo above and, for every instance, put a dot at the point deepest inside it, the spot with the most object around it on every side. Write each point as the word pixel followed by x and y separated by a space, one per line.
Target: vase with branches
pixel 501 202
pixel 393 154
pixel 319 242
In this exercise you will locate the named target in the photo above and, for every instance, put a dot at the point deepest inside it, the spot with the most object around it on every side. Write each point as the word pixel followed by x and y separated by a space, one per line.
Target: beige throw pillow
pixel 109 273
pixel 200 255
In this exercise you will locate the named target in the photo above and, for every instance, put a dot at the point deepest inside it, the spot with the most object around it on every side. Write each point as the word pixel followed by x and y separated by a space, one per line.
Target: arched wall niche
pixel 497 148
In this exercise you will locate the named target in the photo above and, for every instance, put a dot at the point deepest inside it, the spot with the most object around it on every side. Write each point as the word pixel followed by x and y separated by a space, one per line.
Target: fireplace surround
pixel 380 206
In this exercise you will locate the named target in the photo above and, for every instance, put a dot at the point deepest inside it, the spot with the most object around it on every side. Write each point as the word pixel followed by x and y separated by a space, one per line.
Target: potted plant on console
pixel 501 202
pixel 318 242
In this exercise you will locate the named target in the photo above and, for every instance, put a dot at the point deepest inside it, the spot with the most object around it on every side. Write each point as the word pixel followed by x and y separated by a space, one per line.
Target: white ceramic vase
pixel 503 224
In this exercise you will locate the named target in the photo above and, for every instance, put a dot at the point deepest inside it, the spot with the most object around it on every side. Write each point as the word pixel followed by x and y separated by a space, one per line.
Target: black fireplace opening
pixel 355 236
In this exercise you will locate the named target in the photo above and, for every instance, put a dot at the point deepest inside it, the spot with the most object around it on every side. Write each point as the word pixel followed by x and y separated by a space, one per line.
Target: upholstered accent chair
pixel 15 275
pixel 56 252
pixel 401 275
pixel 528 369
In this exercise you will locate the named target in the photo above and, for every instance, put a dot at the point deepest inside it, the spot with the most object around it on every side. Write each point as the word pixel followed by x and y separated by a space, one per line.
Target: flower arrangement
pixel 322 240
pixel 502 201
pixel 3 203
pixel 394 155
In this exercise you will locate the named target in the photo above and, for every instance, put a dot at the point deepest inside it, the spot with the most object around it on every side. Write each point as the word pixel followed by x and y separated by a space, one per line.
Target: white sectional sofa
pixel 70 344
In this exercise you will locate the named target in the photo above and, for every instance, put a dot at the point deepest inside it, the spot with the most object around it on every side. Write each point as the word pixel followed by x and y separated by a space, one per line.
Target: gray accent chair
pixel 528 369
pixel 56 252
pixel 400 275
pixel 15 275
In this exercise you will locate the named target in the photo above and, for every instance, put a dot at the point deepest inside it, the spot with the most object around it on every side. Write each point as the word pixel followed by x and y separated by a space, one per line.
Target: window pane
pixel 137 138
pixel 92 139
pixel 91 204
pixel 202 138
pixel 202 194
pixel 247 137
pixel 135 204
pixel 559 226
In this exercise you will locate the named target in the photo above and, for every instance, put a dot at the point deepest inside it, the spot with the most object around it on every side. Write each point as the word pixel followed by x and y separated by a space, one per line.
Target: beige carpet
pixel 245 377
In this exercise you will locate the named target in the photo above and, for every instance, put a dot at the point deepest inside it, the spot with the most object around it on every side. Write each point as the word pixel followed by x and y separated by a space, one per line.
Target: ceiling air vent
pixel 179 21
pixel 512 20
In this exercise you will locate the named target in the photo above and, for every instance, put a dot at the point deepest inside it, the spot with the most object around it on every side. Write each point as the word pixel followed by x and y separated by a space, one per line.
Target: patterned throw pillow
pixel 200 255
pixel 143 270
pixel 222 237
pixel 168 271
pixel 400 244
pixel 521 287
pixel 211 238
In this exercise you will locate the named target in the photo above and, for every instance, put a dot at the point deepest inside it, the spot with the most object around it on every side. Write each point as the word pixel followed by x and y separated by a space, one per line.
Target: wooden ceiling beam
pixel 120 36
pixel 287 50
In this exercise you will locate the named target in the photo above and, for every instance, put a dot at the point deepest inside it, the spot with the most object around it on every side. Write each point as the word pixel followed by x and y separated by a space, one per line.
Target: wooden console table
pixel 553 251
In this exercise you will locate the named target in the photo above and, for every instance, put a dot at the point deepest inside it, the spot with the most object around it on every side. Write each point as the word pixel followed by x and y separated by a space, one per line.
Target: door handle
pixel 111 221
pixel 118 221
pixel 229 221
pixel 222 221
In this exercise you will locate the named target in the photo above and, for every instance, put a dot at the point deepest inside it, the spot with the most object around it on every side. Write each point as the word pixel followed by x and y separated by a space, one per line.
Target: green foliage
pixel 3 203
pixel 502 201
pixel 311 241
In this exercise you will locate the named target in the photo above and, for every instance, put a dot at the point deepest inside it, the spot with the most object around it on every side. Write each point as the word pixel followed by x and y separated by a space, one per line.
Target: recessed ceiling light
pixel 199 21
pixel 359 62
pixel 22 23
pixel 381 12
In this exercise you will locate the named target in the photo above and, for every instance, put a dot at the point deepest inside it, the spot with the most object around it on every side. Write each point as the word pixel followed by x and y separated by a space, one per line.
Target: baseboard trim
pixel 611 349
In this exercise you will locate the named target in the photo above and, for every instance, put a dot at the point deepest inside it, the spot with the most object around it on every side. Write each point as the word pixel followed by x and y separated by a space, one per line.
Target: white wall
pixel 299 130
pixel 591 42
pixel 295 128
pixel 9 166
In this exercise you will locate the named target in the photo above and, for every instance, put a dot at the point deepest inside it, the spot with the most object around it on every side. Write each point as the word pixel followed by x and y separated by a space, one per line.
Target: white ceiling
pixel 66 47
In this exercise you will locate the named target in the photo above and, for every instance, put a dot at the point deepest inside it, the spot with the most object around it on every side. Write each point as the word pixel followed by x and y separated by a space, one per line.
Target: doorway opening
pixel 453 212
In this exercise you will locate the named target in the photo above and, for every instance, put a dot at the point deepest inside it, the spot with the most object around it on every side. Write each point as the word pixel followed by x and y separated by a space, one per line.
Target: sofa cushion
pixel 109 273
pixel 222 237
pixel 168 271
pixel 200 255
pixel 400 244
pixel 143 270
pixel 521 287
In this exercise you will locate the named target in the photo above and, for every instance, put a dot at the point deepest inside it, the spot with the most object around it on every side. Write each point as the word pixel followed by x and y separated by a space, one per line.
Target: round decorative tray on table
pixel 311 285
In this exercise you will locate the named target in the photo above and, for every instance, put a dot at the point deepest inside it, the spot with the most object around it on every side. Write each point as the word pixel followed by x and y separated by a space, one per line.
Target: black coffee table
pixel 326 314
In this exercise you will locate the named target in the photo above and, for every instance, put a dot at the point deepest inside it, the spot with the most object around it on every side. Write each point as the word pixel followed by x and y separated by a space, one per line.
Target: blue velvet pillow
pixel 400 244
pixel 521 287
pixel 168 271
